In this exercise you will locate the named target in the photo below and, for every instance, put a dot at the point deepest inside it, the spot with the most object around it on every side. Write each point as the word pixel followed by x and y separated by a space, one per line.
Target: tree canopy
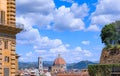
pixel 110 34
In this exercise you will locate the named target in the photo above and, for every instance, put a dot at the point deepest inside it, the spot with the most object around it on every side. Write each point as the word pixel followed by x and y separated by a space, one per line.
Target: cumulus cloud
pixel 107 11
pixel 80 11
pixel 44 14
pixel 70 18
pixel 93 28
pixel 85 42
pixel 35 12
pixel 49 48
pixel 35 6
pixel 64 20
pixel 70 55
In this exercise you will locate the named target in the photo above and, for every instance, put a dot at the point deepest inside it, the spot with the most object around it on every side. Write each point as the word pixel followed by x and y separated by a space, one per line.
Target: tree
pixel 117 26
pixel 110 34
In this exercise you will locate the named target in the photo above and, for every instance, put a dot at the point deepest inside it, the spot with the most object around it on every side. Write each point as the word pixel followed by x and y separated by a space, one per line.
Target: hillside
pixel 80 65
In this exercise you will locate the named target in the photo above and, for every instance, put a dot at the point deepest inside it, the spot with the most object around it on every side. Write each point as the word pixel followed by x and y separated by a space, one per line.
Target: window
pixel 6 59
pixel 6 44
pixel 6 71
pixel 2 17
pixel 115 71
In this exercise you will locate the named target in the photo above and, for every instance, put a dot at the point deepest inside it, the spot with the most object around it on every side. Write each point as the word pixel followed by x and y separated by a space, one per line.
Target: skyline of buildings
pixel 58 68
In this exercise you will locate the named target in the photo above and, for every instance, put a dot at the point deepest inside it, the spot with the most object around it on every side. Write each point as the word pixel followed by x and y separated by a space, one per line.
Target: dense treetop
pixel 110 34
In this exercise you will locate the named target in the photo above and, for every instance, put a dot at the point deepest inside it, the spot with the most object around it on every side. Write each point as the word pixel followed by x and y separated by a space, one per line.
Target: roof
pixel 59 61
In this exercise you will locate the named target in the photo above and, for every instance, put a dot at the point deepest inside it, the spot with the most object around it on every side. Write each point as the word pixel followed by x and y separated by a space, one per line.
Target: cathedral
pixel 59 65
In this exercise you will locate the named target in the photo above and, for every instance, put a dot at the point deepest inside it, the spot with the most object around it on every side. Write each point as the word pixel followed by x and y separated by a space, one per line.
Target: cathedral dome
pixel 59 61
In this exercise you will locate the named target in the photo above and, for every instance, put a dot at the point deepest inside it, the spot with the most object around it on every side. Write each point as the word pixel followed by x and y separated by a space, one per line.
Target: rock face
pixel 110 56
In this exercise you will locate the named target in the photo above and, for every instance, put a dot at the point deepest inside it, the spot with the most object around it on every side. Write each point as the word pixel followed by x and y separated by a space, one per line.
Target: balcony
pixel 19 25
pixel 11 2
pixel 11 9
pixel 13 57
pixel 12 70
pixel 12 61
pixel 13 48
pixel 10 13
pixel 10 28
pixel 12 66
pixel 11 5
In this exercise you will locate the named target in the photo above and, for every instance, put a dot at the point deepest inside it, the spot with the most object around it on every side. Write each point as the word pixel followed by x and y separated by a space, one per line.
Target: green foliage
pixel 110 34
pixel 113 47
pixel 102 69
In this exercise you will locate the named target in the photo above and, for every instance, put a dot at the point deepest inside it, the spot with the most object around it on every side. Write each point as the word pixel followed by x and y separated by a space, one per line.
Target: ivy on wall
pixel 101 69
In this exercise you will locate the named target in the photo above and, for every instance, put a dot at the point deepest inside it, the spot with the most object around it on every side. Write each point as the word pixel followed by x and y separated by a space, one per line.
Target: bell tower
pixel 40 64
pixel 8 31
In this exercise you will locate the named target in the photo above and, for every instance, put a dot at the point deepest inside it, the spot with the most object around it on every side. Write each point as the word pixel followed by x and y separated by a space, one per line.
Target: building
pixel 59 65
pixel 16 61
pixel 8 31
pixel 40 64
pixel 83 72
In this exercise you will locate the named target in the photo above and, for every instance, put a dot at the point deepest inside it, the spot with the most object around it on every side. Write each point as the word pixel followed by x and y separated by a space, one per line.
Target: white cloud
pixel 106 7
pixel 85 42
pixel 40 51
pixel 87 53
pixel 70 18
pixel 70 1
pixel 59 49
pixel 28 36
pixel 22 59
pixel 93 28
pixel 44 14
pixel 70 55
pixel 49 48
pixel 107 11
pixel 80 11
pixel 35 6
pixel 35 12
pixel 78 49
pixel 64 20
pixel 29 54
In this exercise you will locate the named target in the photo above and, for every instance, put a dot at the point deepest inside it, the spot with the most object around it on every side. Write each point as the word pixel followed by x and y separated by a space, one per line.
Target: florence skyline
pixel 69 27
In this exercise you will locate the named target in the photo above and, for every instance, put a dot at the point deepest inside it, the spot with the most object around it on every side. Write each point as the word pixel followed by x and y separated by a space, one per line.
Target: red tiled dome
pixel 59 61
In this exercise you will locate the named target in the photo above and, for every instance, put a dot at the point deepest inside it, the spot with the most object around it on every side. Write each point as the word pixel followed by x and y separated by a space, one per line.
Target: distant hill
pixel 79 65
pixel 23 65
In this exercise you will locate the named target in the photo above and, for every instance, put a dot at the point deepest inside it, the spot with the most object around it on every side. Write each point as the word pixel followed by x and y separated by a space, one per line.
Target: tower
pixel 8 31
pixel 40 64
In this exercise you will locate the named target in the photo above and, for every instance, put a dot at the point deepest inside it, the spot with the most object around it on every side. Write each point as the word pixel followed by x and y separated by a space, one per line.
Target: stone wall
pixel 110 56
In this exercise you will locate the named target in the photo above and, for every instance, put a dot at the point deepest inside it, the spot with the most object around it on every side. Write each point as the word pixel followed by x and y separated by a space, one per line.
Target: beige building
pixel 8 31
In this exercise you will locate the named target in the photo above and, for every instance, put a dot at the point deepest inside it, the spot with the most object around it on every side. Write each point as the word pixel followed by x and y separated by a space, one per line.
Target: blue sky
pixel 67 27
